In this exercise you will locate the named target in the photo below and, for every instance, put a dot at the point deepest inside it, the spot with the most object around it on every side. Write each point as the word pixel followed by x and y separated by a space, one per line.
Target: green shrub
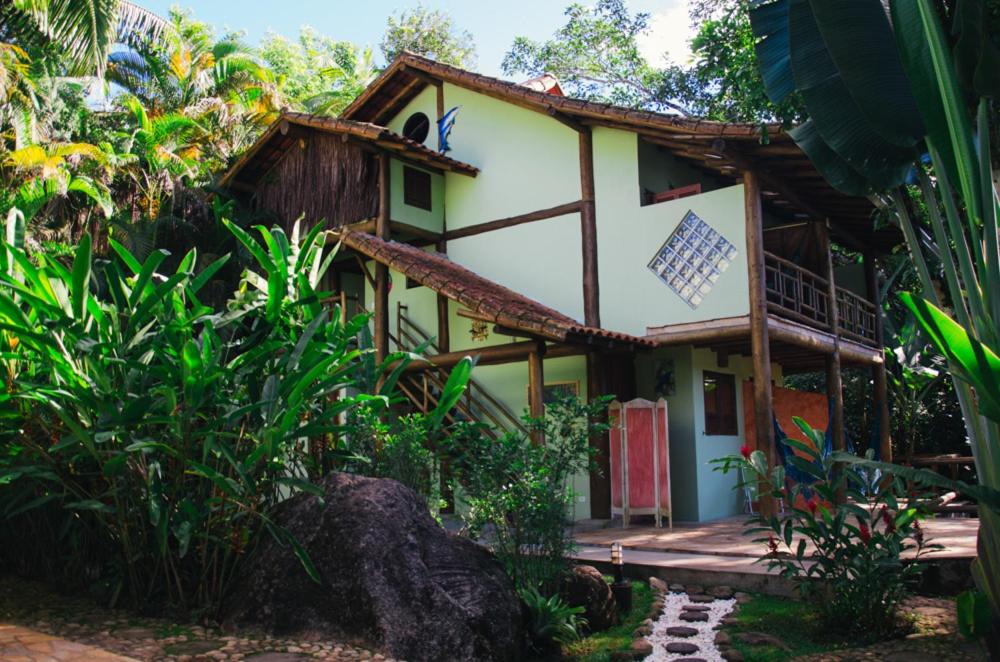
pixel 551 621
pixel 853 573
pixel 146 436
pixel 518 493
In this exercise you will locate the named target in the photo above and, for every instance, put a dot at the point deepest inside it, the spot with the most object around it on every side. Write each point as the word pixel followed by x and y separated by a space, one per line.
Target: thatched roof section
pixel 291 126
pixel 792 186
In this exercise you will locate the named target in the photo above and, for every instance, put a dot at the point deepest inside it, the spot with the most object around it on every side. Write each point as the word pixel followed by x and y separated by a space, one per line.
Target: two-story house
pixel 579 247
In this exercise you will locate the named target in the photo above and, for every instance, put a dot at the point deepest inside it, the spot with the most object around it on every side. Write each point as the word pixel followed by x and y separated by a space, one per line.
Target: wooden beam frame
pixel 515 352
pixel 834 378
pixel 536 386
pixel 382 231
pixel 762 397
pixel 510 221
pixel 879 377
pixel 588 232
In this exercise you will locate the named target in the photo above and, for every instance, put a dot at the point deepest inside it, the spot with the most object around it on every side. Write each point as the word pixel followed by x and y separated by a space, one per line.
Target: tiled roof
pixel 272 143
pixel 487 299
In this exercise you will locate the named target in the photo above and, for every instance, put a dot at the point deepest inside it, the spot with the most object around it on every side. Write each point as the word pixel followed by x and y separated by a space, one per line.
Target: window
pixel 417 188
pixel 720 404
pixel 417 127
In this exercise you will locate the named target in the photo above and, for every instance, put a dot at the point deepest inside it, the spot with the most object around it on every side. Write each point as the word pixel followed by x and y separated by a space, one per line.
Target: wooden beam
pixel 444 328
pixel 879 378
pixel 515 352
pixel 536 386
pixel 382 231
pixel 510 221
pixel 588 232
pixel 600 480
pixel 762 399
pixel 439 107
pixel 834 379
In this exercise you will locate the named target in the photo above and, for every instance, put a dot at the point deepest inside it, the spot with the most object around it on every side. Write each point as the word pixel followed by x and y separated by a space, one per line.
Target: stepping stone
pixel 681 631
pixel 681 648
pixel 696 608
pixel 676 588
pixel 701 598
pixel 694 616
pixel 695 589
pixel 690 659
pixel 193 647
pixel 721 592
pixel 760 639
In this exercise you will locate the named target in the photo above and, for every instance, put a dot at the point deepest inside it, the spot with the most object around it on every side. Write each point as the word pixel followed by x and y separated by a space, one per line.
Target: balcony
pixel 800 295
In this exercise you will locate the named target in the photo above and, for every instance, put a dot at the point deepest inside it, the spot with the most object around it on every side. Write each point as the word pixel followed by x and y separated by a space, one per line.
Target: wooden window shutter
pixel 417 188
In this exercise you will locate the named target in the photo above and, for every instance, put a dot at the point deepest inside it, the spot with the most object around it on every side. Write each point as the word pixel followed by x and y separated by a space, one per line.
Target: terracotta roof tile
pixel 499 304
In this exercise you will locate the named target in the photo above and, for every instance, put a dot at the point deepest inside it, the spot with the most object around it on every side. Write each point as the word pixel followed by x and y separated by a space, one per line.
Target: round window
pixel 417 127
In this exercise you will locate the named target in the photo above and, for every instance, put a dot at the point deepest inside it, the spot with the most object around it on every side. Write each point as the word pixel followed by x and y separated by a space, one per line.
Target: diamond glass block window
pixel 692 259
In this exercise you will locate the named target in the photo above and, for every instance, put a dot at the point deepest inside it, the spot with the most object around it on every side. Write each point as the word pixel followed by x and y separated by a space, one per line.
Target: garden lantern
pixel 621 588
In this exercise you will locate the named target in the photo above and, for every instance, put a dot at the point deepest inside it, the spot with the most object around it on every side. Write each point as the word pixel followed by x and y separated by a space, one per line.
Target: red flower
pixel 772 543
pixel 812 504
pixel 890 523
pixel 866 535
pixel 745 451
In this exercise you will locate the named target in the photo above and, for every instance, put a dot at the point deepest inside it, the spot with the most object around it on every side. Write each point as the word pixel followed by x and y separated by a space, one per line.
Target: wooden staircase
pixel 423 388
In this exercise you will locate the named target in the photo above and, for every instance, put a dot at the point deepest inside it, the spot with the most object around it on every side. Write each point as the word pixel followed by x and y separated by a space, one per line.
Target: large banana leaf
pixel 977 362
pixel 839 118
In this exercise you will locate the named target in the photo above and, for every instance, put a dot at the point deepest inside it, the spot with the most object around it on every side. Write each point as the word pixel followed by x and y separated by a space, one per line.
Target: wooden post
pixel 536 386
pixel 879 379
pixel 382 271
pixel 763 405
pixel 600 480
pixel 444 330
pixel 834 379
pixel 440 111
pixel 588 231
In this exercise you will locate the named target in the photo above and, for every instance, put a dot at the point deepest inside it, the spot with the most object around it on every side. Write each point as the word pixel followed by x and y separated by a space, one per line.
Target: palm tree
pixel 82 30
pixel 220 83
pixel 349 76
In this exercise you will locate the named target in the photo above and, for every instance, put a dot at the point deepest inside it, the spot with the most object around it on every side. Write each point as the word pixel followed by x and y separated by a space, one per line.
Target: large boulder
pixel 585 587
pixel 390 576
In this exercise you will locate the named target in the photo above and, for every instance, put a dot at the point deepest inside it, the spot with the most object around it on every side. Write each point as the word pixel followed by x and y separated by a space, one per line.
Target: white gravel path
pixel 673 604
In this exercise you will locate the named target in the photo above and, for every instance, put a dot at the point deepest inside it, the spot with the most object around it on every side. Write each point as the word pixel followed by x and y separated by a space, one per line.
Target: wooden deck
pixel 725 538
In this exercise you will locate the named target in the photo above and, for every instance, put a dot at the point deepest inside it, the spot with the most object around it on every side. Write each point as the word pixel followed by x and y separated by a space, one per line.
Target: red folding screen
pixel 640 460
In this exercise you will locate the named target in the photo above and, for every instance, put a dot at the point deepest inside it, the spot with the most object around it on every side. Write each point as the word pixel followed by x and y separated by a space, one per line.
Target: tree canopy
pixel 431 33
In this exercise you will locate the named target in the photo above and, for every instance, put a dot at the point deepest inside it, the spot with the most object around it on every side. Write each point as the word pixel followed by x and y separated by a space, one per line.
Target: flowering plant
pixel 849 537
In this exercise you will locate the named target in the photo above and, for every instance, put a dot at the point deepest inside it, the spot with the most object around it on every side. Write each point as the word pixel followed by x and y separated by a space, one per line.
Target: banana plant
pixel 892 102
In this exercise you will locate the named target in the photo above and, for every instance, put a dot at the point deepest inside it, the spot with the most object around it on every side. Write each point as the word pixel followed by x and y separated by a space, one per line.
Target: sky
pixel 493 24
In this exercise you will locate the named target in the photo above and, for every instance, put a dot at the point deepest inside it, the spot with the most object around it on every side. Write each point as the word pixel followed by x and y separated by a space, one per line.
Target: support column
pixel 588 231
pixel 834 380
pixel 444 329
pixel 763 405
pixel 879 379
pixel 600 480
pixel 536 386
pixel 381 335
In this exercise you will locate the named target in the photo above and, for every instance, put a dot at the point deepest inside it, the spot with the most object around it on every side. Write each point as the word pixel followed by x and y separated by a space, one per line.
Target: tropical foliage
pixel 428 32
pixel 848 558
pixel 518 491
pixel 909 102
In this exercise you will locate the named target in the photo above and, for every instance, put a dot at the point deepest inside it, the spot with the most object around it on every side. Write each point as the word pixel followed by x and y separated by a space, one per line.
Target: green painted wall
pixel 659 170
pixel 699 493
pixel 633 298
pixel 432 220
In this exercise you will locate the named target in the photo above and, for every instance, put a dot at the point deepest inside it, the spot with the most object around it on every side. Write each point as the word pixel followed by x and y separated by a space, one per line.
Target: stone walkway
pixel 39 626
pixel 19 644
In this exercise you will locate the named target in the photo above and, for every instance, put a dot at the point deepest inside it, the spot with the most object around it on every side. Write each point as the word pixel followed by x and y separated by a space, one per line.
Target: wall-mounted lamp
pixel 622 588
pixel 479 331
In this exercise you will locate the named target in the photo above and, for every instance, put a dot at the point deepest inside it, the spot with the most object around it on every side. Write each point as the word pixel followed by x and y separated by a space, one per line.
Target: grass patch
pixel 791 621
pixel 599 646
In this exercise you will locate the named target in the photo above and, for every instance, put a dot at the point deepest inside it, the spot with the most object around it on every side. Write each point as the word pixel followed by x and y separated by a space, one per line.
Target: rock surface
pixel 390 575
pixel 585 587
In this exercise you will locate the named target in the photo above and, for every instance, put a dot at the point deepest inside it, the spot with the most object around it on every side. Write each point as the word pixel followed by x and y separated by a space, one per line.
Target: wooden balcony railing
pixel 803 296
